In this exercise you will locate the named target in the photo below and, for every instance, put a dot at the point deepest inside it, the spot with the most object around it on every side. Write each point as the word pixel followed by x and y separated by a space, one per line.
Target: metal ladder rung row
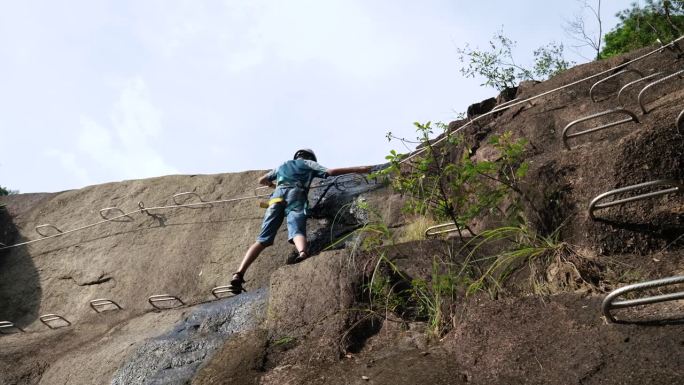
pixel 621 110
pixel 620 73
pixel 609 302
pixel 341 182
pixel 103 305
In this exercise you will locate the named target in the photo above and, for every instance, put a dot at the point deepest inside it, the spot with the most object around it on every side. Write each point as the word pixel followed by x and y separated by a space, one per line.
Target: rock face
pixel 310 322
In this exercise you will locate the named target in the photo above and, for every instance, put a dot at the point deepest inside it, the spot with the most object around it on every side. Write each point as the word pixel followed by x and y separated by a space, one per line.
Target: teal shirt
pixel 297 172
pixel 293 178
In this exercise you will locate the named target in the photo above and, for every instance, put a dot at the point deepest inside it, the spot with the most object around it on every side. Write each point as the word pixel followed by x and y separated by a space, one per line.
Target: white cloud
pixel 128 149
pixel 69 162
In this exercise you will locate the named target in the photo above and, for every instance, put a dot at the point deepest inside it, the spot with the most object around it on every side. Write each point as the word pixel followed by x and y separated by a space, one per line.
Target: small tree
pixel 500 69
pixel 460 189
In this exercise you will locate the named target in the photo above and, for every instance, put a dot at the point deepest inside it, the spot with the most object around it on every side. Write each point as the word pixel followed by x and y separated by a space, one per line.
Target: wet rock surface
pixel 175 357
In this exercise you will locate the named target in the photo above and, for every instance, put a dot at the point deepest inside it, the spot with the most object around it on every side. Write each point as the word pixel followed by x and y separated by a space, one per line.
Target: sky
pixel 95 91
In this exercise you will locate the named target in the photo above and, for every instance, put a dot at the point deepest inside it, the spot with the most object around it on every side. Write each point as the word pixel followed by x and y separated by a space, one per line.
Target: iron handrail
pixel 650 85
pixel 625 71
pixel 609 305
pixel 47 225
pixel 680 122
pixel 192 193
pixel 595 205
pixel 96 304
pixel 108 209
pixel 47 318
pixel 164 298
pixel 222 290
pixel 9 325
pixel 645 78
pixel 566 136
pixel 430 231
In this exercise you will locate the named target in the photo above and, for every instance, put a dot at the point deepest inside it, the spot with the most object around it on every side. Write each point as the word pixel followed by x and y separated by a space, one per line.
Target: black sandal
pixel 236 283
pixel 302 256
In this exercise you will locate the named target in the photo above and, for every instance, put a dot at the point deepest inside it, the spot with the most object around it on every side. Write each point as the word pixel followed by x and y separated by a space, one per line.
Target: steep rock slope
pixel 309 323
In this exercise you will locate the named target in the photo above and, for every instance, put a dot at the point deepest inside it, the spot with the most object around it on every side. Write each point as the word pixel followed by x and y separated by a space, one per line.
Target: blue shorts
pixel 292 207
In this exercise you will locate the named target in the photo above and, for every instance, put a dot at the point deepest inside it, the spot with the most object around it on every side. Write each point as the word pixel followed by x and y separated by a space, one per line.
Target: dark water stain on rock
pixel 175 357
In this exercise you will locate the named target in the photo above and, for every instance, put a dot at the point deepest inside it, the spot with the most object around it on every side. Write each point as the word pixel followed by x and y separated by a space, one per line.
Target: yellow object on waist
pixel 272 202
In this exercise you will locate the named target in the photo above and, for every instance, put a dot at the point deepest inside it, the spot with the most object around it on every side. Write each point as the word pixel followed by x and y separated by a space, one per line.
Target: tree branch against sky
pixel 583 31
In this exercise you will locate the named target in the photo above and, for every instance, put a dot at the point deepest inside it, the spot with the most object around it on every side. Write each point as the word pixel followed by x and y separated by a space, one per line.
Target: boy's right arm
pixel 349 170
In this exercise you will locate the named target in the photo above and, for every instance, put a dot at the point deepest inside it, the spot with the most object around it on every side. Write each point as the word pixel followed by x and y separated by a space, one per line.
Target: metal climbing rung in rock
pixel 680 122
pixel 201 202
pixel 102 305
pixel 677 74
pixel 674 187
pixel 153 300
pixel 218 290
pixel 47 225
pixel 566 136
pixel 440 229
pixel 49 321
pixel 6 325
pixel 632 83
pixel 116 218
pixel 609 302
pixel 620 73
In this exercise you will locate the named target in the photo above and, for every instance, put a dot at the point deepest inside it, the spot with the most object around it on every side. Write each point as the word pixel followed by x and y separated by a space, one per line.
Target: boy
pixel 290 199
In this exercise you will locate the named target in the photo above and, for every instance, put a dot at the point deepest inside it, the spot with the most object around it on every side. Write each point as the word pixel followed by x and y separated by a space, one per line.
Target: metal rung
pixel 566 136
pixel 100 303
pixel 47 225
pixel 609 305
pixel 643 91
pixel 164 298
pixel 9 326
pixel 117 218
pixel 47 318
pixel 626 71
pixel 192 193
pixel 677 187
pixel 221 290
pixel 645 78
pixel 680 122
pixel 432 230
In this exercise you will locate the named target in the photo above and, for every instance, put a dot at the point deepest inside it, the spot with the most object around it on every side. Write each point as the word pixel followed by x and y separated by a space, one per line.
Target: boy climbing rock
pixel 291 181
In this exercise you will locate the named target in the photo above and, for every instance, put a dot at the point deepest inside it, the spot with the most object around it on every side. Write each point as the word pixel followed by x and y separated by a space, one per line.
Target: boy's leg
pixel 300 243
pixel 252 254
pixel 273 218
pixel 296 228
